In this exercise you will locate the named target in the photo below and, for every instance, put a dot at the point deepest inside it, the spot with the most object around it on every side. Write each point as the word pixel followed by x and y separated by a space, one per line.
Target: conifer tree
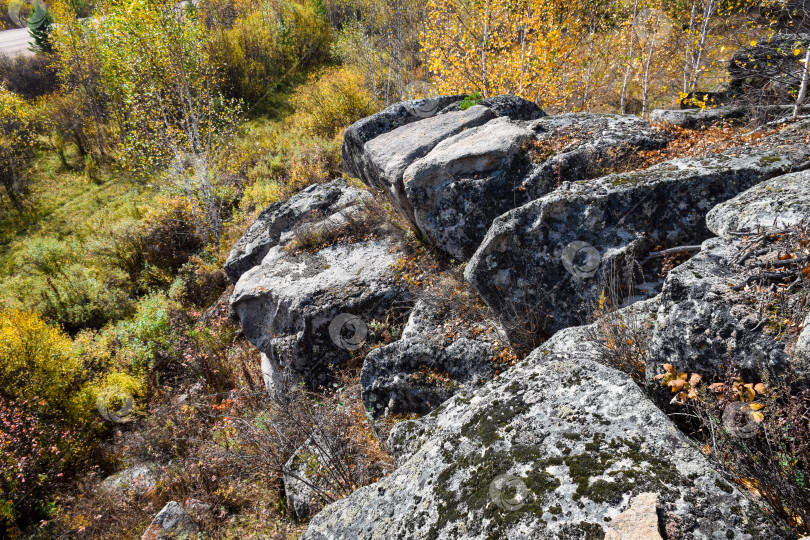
pixel 39 26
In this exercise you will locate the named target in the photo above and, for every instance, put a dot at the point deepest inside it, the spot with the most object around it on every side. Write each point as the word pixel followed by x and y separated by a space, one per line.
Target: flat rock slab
pixel 397 115
pixel 579 146
pixel 700 118
pixel 553 449
pixel 277 223
pixel 389 154
pixel 703 118
pixel 542 266
pixel 464 183
pixel 289 302
pixel 780 202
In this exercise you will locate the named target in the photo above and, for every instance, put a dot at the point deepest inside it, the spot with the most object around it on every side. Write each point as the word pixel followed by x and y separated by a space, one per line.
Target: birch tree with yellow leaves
pixel 628 55
pixel 503 47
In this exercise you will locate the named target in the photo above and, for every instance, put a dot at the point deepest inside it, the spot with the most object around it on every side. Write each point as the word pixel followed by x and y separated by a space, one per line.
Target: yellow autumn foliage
pixel 17 132
pixel 332 99
pixel 37 361
pixel 502 46
pixel 573 55
pixel 40 364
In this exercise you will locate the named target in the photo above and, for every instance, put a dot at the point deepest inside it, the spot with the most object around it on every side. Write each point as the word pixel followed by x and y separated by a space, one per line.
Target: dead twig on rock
pixel 670 251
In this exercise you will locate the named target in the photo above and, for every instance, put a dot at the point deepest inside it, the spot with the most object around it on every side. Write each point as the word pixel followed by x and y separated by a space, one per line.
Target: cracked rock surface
pixel 553 449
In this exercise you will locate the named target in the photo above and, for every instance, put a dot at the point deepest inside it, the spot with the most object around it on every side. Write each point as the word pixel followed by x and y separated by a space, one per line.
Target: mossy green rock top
pixel 553 449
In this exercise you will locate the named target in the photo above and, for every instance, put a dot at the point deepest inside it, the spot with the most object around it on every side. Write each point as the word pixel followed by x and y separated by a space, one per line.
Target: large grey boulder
pixel 465 182
pixel 397 115
pixel 430 362
pixel 171 523
pixel 388 155
pixel 542 266
pixel 452 173
pixel 700 118
pixel 400 114
pixel 468 180
pixel 704 325
pixel 307 312
pixel 703 118
pixel 319 203
pixel 553 449
pixel 780 202
pixel 579 146
pixel 708 321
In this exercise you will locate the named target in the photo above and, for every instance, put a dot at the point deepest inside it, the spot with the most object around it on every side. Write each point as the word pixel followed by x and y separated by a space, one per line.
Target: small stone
pixel 137 480
pixel 171 523
pixel 638 522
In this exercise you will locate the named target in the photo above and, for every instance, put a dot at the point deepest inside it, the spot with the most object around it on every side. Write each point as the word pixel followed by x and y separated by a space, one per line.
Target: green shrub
pixel 37 362
pixel 48 413
pixel 122 246
pixel 70 293
pixel 149 338
pixel 198 283
pixel 277 159
pixel 262 193
pixel 171 236
pixel 30 76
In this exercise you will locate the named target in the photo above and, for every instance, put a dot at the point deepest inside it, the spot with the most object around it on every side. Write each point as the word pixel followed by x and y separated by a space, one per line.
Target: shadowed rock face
pixel 539 265
pixel 553 449
pixel 768 70
pixel 425 367
pixel 287 304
